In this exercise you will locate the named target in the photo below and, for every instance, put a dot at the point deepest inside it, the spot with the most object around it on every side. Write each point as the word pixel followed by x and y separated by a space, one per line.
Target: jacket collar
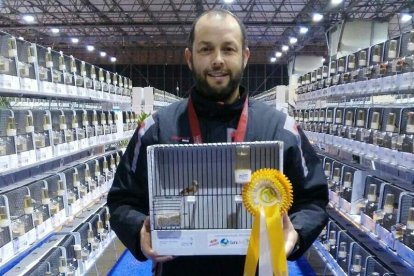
pixel 215 110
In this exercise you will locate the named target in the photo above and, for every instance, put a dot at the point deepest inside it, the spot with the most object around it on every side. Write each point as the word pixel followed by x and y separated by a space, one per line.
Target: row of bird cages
pixel 387 58
pixel 387 127
pixel 33 210
pixel 351 258
pixel 28 136
pixel 30 63
pixel 385 209
pixel 71 251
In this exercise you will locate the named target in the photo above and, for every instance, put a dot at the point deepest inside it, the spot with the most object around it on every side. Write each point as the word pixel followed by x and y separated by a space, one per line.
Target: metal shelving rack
pixel 357 113
pixel 63 120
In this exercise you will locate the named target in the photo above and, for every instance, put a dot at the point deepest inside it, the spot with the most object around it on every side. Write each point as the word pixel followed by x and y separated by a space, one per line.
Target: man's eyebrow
pixel 204 42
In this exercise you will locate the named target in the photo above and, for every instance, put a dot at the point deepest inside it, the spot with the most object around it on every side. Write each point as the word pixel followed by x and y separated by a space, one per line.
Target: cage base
pixel 201 242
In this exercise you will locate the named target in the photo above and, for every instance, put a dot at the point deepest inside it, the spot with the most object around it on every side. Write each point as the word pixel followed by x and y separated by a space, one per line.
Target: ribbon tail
pixel 277 241
pixel 252 256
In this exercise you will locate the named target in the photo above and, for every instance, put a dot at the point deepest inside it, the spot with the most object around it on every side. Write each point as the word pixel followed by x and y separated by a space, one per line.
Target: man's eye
pixel 204 49
pixel 229 49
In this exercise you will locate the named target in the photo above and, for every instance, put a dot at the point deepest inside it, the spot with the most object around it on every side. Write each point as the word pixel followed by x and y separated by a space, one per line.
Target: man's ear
pixel 188 58
pixel 246 55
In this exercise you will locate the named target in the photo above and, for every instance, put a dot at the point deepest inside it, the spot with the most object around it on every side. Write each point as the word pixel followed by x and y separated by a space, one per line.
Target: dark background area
pixel 257 77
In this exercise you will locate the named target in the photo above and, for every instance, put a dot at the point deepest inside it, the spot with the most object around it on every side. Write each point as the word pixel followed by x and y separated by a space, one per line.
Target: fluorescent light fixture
pixel 317 17
pixel 113 59
pixel 336 2
pixel 103 54
pixel 278 54
pixel 285 48
pixel 90 48
pixel 405 17
pixel 303 30
pixel 75 40
pixel 54 30
pixel 293 40
pixel 228 1
pixel 28 18
pixel 273 59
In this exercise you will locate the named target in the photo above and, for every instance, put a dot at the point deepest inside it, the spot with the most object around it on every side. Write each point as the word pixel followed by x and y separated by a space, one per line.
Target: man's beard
pixel 217 94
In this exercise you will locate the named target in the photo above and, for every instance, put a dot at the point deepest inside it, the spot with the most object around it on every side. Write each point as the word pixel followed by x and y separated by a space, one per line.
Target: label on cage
pixel 73 146
pixel 60 88
pixel 27 157
pixel 236 241
pixel 6 252
pixel 83 143
pixel 242 176
pixel 385 236
pixel 20 243
pixel 333 197
pixel 44 228
pixel 81 92
pixel 4 162
pixel 58 218
pixel 76 207
pixel 368 222
pixel 186 242
pixel 5 81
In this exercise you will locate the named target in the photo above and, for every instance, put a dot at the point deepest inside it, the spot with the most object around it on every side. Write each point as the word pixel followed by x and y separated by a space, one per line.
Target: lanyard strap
pixel 195 124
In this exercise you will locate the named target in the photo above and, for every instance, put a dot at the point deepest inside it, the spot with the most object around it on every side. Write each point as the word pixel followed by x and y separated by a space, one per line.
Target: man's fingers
pixel 146 247
pixel 161 259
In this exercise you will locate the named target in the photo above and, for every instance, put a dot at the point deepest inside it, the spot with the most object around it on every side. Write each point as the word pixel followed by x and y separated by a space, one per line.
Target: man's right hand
pixel 146 248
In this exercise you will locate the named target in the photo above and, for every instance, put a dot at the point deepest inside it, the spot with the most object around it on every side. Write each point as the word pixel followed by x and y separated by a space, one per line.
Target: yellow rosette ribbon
pixel 268 196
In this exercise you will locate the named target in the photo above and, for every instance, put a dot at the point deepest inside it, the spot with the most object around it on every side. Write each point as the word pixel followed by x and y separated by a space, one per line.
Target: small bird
pixel 191 190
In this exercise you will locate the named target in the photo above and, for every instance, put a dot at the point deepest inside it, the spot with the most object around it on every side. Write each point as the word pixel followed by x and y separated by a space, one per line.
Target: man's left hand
pixel 290 235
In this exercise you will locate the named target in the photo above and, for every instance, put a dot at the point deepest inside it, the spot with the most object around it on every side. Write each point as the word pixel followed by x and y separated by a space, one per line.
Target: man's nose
pixel 218 59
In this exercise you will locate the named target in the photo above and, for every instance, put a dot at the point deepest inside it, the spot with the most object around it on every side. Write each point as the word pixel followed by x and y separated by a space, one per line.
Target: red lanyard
pixel 195 125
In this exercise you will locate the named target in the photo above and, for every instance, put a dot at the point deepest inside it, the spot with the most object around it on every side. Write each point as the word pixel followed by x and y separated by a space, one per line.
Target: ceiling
pixel 155 32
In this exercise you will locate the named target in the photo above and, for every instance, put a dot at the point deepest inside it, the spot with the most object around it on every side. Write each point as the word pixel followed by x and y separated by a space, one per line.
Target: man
pixel 217 55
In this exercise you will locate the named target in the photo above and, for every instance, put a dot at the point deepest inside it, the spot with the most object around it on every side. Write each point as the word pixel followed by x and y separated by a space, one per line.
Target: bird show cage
pixel 195 203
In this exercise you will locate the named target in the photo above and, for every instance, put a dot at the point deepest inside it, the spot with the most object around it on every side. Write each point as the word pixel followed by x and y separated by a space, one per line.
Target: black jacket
pixel 128 196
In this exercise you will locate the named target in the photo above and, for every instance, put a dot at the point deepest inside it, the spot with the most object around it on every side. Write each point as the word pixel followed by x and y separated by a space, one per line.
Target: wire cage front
pixel 194 200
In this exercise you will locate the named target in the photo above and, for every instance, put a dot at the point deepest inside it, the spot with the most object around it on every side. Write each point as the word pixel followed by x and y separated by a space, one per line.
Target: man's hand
pixel 146 248
pixel 290 235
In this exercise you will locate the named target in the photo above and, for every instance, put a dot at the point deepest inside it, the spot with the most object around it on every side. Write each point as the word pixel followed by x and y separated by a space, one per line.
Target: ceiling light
pixel 54 30
pixel 293 40
pixel 303 30
pixel 336 2
pixel 285 48
pixel 323 60
pixel 228 1
pixel 317 17
pixel 28 18
pixel 21 38
pixel 272 59
pixel 103 54
pixel 90 48
pixel 278 54
pixel 405 17
pixel 113 59
pixel 75 40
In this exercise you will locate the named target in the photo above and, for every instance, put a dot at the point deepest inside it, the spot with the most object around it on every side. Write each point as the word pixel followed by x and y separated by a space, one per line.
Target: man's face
pixel 217 59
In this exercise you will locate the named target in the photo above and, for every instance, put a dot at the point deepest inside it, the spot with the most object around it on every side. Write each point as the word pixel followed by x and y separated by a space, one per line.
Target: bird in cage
pixel 190 190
